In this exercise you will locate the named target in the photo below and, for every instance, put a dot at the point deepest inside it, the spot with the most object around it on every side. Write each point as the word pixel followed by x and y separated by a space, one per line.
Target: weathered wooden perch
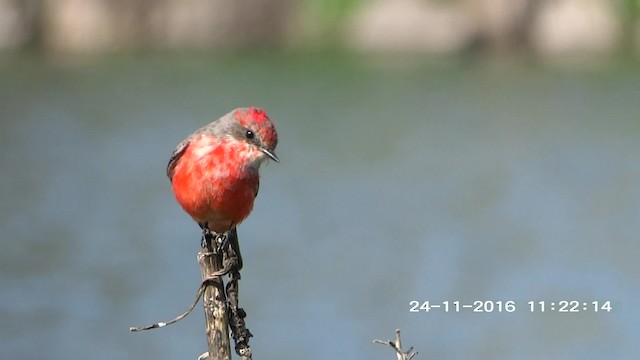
pixel 216 259
pixel 214 301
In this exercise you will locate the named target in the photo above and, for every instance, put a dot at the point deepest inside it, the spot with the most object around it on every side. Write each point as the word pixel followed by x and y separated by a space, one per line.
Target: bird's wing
pixel 175 156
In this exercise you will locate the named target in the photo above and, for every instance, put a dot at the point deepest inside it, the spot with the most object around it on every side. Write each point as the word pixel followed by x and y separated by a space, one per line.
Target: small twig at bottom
pixel 397 346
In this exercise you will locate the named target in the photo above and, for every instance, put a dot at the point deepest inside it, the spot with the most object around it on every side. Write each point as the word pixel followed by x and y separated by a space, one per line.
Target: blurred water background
pixel 491 171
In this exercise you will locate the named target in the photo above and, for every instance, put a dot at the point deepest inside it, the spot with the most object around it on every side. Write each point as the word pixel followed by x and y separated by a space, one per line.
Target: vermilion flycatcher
pixel 214 171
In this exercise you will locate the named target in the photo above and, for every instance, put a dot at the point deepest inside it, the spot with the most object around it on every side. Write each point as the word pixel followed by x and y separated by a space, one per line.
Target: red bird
pixel 214 171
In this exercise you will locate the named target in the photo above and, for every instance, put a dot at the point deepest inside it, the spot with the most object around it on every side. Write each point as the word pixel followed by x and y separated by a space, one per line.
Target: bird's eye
pixel 249 134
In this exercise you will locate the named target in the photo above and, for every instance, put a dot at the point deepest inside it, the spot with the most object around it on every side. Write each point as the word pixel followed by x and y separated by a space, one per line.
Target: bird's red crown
pixel 257 119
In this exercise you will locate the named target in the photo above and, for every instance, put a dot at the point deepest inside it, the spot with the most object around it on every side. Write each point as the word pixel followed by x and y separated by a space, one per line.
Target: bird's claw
pixel 221 241
pixel 214 241
pixel 207 238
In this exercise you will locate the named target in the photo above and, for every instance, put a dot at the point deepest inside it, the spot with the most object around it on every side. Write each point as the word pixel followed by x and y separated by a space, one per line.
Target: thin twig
pixel 239 331
pixel 177 318
pixel 203 284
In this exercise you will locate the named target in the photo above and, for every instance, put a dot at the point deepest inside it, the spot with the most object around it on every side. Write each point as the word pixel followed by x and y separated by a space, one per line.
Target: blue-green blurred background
pixel 483 174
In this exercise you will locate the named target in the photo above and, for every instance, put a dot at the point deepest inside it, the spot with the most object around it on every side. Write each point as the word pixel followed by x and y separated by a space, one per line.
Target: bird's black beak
pixel 270 154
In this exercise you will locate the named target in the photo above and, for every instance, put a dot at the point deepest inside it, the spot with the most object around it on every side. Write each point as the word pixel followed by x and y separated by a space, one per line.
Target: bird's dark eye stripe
pixel 249 134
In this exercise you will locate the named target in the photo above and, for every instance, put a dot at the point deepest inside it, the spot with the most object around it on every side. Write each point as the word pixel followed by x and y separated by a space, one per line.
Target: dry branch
pixel 214 302
pixel 216 259
pixel 397 346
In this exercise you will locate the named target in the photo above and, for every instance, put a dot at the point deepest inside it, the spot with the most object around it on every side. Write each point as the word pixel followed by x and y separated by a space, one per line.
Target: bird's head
pixel 253 126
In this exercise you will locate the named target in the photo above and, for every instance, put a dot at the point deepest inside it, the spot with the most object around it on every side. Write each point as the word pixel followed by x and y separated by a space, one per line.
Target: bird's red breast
pixel 214 181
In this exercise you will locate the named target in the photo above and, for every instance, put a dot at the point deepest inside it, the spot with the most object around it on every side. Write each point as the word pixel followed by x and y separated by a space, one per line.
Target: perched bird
pixel 214 171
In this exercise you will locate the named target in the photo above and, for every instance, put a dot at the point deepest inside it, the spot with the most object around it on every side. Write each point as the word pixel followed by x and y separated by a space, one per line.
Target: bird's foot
pixel 207 238
pixel 221 243
pixel 217 242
